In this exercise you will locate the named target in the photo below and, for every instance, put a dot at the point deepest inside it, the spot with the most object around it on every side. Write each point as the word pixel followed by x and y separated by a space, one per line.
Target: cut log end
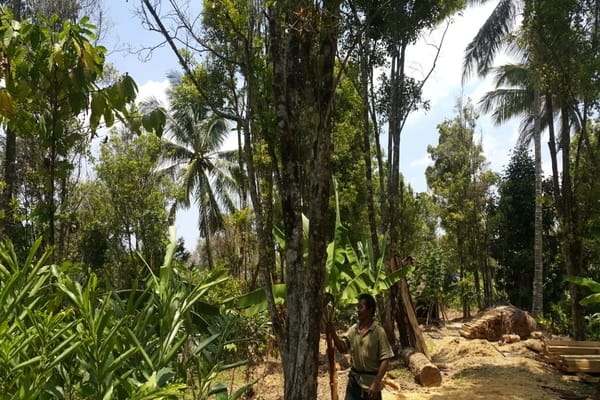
pixel 430 376
pixel 426 373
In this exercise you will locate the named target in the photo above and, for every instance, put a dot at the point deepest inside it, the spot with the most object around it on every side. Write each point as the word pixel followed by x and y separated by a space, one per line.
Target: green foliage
pixel 347 158
pixel 593 320
pixel 460 181
pixel 593 327
pixel 137 194
pixel 66 339
pixel 350 271
pixel 557 320
pixel 35 340
pixel 594 287
pixel 54 99
pixel 514 229
pixel 431 279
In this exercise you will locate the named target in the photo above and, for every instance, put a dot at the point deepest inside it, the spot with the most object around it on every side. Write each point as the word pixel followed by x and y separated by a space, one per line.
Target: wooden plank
pixel 589 369
pixel 571 343
pixel 572 350
pixel 580 365
pixel 580 356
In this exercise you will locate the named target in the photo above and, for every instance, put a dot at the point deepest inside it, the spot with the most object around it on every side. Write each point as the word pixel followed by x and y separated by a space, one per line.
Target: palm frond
pixel 526 128
pixel 505 104
pixel 149 104
pixel 480 53
pixel 514 75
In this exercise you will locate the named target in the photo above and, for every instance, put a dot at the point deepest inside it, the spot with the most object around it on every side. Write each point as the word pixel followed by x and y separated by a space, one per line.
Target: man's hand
pixel 373 390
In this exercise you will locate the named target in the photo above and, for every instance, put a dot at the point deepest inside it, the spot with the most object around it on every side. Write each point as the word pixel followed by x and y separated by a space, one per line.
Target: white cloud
pixel 444 88
pixel 424 161
pixel 446 79
pixel 154 89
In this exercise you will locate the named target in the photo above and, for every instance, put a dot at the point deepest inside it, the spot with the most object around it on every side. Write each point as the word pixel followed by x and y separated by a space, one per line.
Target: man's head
pixel 368 301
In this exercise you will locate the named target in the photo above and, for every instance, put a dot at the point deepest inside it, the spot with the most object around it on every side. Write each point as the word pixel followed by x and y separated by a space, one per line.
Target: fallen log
pixel 426 373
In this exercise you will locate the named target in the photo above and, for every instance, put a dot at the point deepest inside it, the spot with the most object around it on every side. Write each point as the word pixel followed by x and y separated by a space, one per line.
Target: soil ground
pixel 471 370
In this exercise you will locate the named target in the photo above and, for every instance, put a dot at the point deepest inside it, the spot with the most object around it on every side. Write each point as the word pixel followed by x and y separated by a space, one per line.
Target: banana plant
pixel 591 284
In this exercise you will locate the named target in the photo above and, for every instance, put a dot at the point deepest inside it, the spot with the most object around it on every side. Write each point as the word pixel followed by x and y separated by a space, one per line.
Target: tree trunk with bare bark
pixel 303 40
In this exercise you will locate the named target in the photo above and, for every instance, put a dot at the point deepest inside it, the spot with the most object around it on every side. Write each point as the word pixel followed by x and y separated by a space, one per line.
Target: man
pixel 369 349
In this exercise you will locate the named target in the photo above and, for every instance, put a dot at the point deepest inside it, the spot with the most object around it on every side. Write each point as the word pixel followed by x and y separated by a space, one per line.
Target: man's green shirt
pixel 367 351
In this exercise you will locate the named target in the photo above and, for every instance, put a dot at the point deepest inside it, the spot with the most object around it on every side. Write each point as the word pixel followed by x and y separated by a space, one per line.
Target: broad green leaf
pixel 589 283
pixel 129 88
pixel 591 299
pixel 109 117
pixel 108 393
pixel 256 301
pixel 6 103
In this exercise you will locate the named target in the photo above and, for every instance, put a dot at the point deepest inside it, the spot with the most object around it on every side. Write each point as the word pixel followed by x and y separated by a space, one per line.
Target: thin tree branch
pixel 184 64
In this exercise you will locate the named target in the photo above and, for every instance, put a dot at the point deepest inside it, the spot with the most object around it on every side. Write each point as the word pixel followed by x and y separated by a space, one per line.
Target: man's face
pixel 363 311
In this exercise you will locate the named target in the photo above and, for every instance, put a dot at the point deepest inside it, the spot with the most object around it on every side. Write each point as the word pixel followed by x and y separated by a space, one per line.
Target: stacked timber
pixel 573 356
pixel 497 322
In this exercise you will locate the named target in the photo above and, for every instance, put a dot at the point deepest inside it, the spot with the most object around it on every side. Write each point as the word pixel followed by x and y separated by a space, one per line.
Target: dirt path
pixel 471 370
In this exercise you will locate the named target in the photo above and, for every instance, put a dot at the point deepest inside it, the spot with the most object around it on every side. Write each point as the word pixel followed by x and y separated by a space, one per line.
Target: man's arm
pixel 374 388
pixel 340 344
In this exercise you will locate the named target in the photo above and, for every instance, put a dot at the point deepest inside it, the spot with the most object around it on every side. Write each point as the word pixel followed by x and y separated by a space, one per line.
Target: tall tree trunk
pixel 563 198
pixel 553 152
pixel 393 307
pixel 364 61
pixel 207 241
pixel 10 178
pixel 570 232
pixel 477 283
pixel 303 46
pixel 10 159
pixel 537 308
pixel 487 283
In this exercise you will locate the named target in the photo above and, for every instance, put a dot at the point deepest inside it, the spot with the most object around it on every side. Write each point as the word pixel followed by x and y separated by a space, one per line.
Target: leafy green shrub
pixel 593 327
pixel 60 338
pixel 558 320
pixel 429 282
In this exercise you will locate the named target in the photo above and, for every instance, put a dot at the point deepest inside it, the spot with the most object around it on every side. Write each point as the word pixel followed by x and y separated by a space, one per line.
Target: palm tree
pixel 193 148
pixel 516 94
pixel 552 38
pixel 522 97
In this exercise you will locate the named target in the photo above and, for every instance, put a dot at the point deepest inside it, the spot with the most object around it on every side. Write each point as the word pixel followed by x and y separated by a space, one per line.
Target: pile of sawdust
pixel 479 369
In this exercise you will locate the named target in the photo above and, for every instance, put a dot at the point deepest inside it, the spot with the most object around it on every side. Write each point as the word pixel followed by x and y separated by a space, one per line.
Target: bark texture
pixel 303 39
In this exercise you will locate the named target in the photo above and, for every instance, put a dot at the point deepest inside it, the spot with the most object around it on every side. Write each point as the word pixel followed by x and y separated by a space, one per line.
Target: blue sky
pixel 442 89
